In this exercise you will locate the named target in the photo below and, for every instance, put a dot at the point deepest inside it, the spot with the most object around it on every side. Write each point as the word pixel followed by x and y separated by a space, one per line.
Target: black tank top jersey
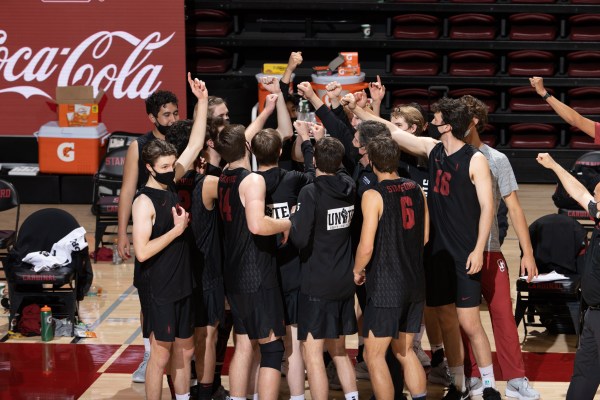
pixel 283 188
pixel 207 232
pixel 143 173
pixel 167 273
pixel 452 200
pixel 417 174
pixel 396 274
pixel 185 187
pixel 249 262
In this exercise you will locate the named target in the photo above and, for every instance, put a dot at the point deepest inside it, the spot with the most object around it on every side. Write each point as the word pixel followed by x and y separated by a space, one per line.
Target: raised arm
pixel 479 171
pixel 416 145
pixel 294 61
pixel 570 116
pixel 256 125
pixel 196 141
pixel 377 92
pixel 575 189
pixel 284 122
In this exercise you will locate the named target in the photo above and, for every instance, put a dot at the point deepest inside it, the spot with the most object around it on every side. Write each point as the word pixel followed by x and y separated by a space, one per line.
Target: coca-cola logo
pixel 133 78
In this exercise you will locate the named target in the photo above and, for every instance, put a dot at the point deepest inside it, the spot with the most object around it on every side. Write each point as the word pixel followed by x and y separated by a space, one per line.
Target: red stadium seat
pixel 423 97
pixel 472 27
pixel 581 141
pixel 212 60
pixel 531 63
pixel 212 23
pixel 416 26
pixel 472 63
pixel 525 26
pixel 583 64
pixel 489 135
pixel 489 97
pixel 532 136
pixel 524 98
pixel 584 100
pixel 415 62
pixel 585 27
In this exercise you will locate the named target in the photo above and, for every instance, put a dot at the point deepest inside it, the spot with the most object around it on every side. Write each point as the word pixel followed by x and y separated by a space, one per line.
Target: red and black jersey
pixel 452 200
pixel 249 262
pixel 396 274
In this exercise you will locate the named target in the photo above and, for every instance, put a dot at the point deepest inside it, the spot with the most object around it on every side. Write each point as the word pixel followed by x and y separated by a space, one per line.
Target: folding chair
pixel 107 186
pixel 9 200
pixel 61 288
pixel 558 242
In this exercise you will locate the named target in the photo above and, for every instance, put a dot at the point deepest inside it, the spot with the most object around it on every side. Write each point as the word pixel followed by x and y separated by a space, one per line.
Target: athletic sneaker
pixel 475 386
pixel 519 388
pixel 361 371
pixel 491 394
pixel 139 376
pixel 332 377
pixel 421 355
pixel 440 374
pixel 454 394
pixel 220 394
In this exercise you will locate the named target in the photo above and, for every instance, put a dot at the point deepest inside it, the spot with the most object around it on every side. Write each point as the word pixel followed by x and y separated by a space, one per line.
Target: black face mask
pixel 166 178
pixel 434 132
pixel 163 129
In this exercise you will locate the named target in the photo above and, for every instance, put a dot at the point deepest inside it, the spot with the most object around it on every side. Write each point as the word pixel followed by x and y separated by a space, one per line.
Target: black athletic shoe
pixel 491 394
pixel 454 394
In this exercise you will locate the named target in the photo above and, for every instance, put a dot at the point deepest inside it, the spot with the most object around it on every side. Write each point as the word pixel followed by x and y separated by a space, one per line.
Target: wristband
pixel 546 95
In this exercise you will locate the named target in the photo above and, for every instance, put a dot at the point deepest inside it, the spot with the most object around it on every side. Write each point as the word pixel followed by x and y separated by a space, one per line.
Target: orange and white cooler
pixel 350 84
pixel 263 93
pixel 74 150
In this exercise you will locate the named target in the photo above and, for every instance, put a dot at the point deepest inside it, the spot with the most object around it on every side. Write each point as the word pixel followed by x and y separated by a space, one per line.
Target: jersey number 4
pixel 442 183
pixel 224 206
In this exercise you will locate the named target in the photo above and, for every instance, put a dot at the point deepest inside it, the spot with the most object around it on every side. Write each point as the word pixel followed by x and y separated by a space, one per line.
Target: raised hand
pixel 198 87
pixel 303 129
pixel 305 90
pixel 545 160
pixel 271 84
pixel 318 131
pixel 538 84
pixel 271 101
pixel 361 98
pixel 349 101
pixel 334 90
pixel 377 90
pixel 295 60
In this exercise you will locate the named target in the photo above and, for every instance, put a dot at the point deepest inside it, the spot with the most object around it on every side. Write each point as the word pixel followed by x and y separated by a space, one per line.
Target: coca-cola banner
pixel 128 48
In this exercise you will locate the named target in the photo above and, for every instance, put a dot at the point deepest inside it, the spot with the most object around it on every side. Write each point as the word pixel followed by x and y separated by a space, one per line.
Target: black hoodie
pixel 321 230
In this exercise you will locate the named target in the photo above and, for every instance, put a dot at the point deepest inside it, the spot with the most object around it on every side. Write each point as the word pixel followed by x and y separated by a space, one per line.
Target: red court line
pixel 33 370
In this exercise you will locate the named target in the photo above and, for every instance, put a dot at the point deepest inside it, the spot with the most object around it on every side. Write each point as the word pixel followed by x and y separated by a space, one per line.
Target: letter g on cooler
pixel 66 151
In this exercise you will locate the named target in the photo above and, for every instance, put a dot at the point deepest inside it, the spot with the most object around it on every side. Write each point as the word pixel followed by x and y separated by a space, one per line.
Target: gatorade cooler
pixel 75 150
pixel 350 84
pixel 262 93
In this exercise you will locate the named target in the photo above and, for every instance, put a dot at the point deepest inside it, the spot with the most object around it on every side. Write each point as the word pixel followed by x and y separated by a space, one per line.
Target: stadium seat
pixel 415 62
pixel 531 63
pixel 416 26
pixel 581 141
pixel 423 97
pixel 489 97
pixel 526 26
pixel 472 63
pixel 212 60
pixel 584 100
pixel 472 27
pixel 532 136
pixel 585 27
pixel 583 64
pixel 212 23
pixel 525 99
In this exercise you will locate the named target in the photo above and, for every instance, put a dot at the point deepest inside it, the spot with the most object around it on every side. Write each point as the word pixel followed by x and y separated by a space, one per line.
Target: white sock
pixel 487 376
pixel 299 397
pixel 147 345
pixel 182 396
pixel 458 376
pixel 436 347
pixel 351 396
pixel 418 336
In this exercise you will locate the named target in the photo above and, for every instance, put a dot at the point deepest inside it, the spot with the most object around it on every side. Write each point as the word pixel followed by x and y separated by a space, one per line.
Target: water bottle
pixel 303 110
pixel 116 259
pixel 47 331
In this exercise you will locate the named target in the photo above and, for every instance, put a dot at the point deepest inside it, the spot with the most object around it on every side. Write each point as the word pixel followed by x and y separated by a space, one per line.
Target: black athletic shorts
pixel 213 307
pixel 325 319
pixel 171 320
pixel 145 296
pixel 257 314
pixel 291 307
pixel 388 322
pixel 447 282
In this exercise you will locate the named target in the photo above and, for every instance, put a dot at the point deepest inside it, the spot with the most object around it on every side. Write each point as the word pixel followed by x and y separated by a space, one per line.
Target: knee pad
pixel 271 354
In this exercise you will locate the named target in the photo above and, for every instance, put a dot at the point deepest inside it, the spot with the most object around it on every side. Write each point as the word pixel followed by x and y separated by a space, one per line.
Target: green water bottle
pixel 47 331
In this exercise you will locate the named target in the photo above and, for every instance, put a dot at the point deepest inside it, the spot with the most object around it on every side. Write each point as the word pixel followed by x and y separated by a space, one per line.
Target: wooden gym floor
pixel 101 367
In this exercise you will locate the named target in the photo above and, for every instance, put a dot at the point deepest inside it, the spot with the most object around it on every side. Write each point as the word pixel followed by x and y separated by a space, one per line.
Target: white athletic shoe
pixel 139 376
pixel 520 389
pixel 475 386
pixel 421 355
pixel 361 371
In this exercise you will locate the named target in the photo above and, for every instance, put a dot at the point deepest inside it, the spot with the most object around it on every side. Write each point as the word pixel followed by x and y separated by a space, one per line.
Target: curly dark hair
pixel 455 114
pixel 158 99
pixel 179 134
pixel 155 149
pixel 476 109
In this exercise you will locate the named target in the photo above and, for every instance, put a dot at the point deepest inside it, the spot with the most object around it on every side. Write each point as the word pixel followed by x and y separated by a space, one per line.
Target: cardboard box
pixel 274 69
pixel 77 106
pixel 71 150
pixel 349 71
pixel 350 59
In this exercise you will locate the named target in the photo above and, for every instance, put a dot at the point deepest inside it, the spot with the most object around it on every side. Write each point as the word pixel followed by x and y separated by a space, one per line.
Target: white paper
pixel 550 276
